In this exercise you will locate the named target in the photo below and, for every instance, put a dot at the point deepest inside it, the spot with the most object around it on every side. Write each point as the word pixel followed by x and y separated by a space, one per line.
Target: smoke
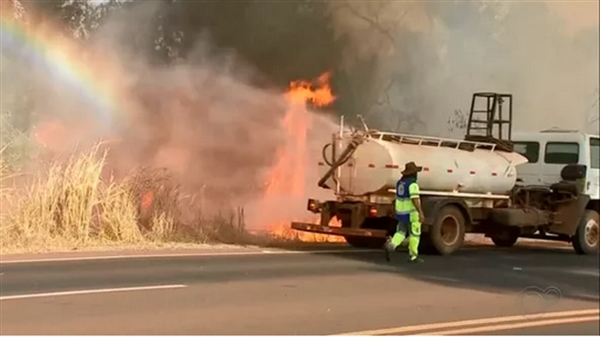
pixel 431 56
pixel 403 65
pixel 202 118
pixel 199 118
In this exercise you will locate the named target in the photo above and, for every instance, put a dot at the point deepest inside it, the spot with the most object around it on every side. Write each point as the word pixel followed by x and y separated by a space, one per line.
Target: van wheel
pixel 585 241
pixel 447 234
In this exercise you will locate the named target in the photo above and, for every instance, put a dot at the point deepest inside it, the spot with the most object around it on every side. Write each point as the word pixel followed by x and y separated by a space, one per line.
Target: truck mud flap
pixel 306 227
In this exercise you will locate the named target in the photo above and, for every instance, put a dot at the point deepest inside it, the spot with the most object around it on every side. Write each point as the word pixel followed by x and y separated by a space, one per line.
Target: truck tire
pixel 585 241
pixel 505 242
pixel 506 239
pixel 364 242
pixel 426 246
pixel 447 234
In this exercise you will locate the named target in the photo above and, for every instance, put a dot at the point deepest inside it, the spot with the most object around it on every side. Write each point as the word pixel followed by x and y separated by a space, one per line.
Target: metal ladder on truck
pixel 487 121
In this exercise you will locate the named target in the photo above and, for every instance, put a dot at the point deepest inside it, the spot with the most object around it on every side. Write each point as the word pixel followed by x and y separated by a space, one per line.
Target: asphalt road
pixel 279 292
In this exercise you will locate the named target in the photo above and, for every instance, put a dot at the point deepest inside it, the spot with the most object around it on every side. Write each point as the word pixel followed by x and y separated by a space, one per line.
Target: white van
pixel 550 150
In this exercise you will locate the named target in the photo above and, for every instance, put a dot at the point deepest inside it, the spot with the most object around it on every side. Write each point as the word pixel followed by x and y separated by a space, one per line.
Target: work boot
pixel 415 260
pixel 387 249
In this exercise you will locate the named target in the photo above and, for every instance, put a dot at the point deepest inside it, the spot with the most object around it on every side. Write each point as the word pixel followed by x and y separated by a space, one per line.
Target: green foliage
pixel 15 144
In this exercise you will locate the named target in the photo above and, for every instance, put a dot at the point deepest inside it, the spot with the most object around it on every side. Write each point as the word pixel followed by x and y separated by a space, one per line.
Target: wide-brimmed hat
pixel 411 168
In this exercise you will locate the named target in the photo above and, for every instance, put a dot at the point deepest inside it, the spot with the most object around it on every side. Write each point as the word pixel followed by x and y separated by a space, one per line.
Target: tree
pixel 15 102
pixel 78 18
pixel 373 72
pixel 284 41
pixel 15 105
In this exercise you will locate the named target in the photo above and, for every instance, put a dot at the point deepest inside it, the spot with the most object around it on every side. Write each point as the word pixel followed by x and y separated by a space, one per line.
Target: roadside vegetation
pixel 74 205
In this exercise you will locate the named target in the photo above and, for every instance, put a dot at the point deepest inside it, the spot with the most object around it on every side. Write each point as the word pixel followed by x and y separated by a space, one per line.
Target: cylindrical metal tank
pixel 376 165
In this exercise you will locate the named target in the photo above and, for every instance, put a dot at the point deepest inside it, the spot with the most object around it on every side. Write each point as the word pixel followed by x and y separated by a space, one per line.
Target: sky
pixel 579 14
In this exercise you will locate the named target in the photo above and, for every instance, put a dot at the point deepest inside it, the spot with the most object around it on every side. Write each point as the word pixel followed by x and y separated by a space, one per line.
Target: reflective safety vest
pixel 406 190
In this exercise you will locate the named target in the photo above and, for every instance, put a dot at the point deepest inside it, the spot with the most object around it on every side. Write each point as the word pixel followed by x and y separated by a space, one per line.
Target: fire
pixel 301 92
pixel 147 201
pixel 288 177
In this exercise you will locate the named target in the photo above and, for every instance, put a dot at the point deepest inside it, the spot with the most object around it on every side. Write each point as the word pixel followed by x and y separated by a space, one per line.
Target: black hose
pixel 329 163
pixel 344 157
pixel 324 152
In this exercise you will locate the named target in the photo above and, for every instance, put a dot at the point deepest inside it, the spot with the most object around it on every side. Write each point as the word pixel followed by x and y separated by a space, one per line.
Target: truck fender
pixel 432 205
pixel 567 216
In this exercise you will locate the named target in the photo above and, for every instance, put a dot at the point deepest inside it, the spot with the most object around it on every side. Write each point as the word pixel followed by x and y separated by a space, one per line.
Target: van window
pixel 595 153
pixel 561 153
pixel 530 150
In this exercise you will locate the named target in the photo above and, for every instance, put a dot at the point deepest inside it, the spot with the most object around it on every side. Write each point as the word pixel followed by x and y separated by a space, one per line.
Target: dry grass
pixel 70 206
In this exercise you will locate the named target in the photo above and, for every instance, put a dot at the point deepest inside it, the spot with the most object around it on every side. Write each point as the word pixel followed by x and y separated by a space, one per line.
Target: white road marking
pixel 90 291
pixel 415 329
pixel 585 272
pixel 443 279
pixel 148 256
pixel 514 326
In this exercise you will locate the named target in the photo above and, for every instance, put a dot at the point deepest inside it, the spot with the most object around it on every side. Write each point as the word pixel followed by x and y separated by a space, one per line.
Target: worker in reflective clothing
pixel 409 213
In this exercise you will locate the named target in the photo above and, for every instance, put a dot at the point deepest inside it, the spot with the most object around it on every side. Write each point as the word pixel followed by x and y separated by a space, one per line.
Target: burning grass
pixel 75 205
pixel 70 206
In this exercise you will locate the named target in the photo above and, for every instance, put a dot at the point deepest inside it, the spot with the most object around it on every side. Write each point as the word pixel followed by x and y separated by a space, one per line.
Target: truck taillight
pixel 372 211
pixel 312 206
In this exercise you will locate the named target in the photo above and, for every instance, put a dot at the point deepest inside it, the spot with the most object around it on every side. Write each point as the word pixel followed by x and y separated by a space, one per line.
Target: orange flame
pixel 301 92
pixel 288 176
pixel 147 201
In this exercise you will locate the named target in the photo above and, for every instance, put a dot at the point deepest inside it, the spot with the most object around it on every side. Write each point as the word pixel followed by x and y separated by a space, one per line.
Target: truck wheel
pixel 383 223
pixel 365 242
pixel 505 239
pixel 426 246
pixel 447 234
pixel 585 241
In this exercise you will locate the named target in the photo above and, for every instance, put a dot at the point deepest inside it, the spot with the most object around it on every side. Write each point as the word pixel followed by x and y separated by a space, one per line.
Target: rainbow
pixel 40 45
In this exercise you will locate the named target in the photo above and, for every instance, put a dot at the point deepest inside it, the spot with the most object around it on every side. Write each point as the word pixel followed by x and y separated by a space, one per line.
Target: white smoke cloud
pixel 436 54
pixel 200 118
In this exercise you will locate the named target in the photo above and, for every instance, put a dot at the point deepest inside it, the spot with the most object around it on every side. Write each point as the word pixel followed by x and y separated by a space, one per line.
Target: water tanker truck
pixel 491 182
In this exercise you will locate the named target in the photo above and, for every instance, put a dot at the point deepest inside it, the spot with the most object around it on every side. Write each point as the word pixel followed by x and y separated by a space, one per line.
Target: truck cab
pixel 550 150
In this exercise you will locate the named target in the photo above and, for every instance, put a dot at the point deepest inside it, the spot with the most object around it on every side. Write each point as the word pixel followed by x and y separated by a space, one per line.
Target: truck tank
pixel 449 165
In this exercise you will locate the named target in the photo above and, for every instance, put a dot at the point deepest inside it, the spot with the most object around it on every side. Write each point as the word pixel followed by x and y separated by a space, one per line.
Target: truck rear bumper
pixel 306 227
